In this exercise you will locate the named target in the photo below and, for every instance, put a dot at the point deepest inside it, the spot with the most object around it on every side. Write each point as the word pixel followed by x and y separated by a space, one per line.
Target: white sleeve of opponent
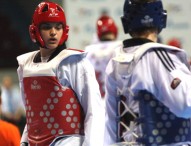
pixel 173 84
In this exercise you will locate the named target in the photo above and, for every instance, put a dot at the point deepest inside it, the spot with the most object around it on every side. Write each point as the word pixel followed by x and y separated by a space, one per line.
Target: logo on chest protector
pixel 35 85
pixel 175 83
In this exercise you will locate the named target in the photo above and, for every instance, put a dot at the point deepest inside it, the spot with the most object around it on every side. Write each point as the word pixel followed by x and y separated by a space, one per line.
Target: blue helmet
pixel 143 15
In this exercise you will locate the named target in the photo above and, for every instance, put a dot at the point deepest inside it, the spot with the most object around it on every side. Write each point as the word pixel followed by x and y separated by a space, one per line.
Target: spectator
pixel 12 105
pixel 9 133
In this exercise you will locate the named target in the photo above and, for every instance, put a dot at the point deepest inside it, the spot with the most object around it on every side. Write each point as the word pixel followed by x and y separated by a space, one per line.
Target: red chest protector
pixel 51 110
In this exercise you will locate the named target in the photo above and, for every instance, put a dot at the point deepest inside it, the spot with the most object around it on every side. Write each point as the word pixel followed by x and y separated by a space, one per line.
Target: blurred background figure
pixel 177 43
pixel 100 52
pixel 12 105
pixel 174 42
pixel 9 133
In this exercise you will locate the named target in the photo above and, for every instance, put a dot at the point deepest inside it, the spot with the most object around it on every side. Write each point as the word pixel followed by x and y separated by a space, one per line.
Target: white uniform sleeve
pixel 78 73
pixel 178 100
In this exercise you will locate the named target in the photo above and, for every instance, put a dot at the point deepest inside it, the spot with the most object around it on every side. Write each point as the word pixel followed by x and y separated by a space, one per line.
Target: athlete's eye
pixel 45 26
pixel 59 26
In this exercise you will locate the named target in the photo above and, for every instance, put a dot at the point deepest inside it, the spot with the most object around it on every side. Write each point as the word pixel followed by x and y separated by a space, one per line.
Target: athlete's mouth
pixel 52 40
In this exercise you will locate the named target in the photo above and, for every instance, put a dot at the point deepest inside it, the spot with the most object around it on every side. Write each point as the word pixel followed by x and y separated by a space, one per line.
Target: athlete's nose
pixel 53 31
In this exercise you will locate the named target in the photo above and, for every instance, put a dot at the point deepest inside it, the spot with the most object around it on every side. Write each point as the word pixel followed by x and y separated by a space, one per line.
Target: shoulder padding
pixel 136 55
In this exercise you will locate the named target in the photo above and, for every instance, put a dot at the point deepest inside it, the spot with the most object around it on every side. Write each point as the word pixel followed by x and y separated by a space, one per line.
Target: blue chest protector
pixel 159 125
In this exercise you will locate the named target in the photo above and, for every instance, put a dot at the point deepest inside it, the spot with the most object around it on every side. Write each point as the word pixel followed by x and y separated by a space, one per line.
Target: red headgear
pixel 106 24
pixel 174 42
pixel 47 12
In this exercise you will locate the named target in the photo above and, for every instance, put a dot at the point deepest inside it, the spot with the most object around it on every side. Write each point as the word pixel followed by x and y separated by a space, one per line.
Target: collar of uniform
pixel 135 42
pixel 37 58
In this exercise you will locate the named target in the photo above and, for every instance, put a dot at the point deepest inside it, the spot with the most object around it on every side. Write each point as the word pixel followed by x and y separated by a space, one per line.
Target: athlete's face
pixel 51 34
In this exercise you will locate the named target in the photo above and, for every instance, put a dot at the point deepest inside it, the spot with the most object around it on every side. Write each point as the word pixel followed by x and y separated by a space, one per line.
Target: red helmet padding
pixel 47 12
pixel 106 24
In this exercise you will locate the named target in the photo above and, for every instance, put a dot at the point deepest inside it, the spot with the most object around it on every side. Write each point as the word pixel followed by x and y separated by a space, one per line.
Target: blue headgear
pixel 143 15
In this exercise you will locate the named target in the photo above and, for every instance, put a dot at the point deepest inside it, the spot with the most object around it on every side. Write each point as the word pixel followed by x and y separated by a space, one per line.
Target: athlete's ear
pixel 32 32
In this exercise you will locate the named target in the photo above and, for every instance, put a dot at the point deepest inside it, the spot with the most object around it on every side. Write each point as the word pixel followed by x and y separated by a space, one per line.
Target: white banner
pixel 83 14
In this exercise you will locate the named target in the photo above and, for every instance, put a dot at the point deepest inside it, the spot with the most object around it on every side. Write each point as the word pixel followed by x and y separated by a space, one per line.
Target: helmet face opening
pixel 44 13
pixel 143 15
pixel 106 24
